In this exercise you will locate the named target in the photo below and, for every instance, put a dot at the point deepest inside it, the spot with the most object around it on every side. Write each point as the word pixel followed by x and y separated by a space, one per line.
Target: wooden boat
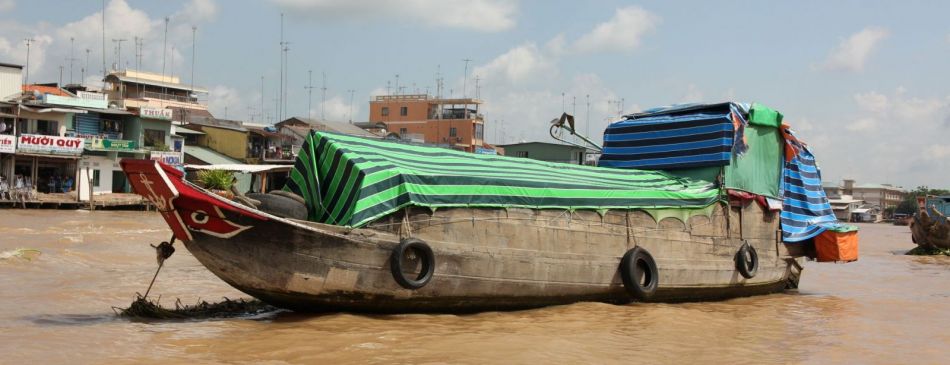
pixel 480 259
pixel 417 253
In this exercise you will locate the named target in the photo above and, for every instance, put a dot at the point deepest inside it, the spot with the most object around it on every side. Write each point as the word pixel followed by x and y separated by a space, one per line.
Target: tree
pixel 908 205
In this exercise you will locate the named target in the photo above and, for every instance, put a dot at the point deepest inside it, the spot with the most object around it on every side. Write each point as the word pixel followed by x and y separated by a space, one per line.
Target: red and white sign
pixel 34 143
pixel 7 143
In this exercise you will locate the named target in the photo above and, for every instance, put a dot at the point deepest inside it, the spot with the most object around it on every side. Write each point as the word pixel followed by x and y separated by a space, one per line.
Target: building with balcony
pixel 156 93
pixel 455 123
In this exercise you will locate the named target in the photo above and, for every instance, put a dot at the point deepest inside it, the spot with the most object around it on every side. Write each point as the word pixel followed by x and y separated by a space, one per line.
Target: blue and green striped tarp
pixel 352 181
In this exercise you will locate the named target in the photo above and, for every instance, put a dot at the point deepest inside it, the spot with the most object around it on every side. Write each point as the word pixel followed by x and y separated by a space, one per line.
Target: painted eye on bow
pixel 199 217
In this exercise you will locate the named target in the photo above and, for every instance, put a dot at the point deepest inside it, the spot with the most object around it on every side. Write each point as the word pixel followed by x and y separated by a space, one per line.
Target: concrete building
pixel 877 198
pixel 455 123
pixel 544 151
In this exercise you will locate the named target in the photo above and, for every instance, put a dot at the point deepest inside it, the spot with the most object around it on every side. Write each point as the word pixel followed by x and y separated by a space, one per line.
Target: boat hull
pixel 485 259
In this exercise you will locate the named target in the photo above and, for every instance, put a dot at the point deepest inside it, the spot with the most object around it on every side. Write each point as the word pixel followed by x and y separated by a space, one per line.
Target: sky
pixel 864 83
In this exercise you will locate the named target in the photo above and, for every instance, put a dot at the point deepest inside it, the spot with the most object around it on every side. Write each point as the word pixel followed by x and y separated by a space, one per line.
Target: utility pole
pixel 351 91
pixel 194 55
pixel 60 84
pixel 71 58
pixel 465 78
pixel 397 84
pixel 476 87
pixel 164 47
pixel 29 41
pixel 82 73
pixel 118 53
pixel 309 88
pixel 323 103
pixel 104 72
pixel 263 115
pixel 587 121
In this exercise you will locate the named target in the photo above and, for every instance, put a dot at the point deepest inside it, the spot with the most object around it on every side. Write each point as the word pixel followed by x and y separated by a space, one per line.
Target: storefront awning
pixel 68 157
pixel 241 168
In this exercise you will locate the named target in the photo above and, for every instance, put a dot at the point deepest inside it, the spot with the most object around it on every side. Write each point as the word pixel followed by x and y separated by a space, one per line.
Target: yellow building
pixel 227 137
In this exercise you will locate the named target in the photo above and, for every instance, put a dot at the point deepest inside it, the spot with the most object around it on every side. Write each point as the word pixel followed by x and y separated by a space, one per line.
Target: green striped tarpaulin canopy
pixel 352 181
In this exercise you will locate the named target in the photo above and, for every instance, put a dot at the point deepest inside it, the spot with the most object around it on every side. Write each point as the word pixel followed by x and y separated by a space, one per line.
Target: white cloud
pixel 693 94
pixel 872 101
pixel 519 64
pixel 51 48
pixel 941 151
pixel 852 53
pixel 897 137
pixel 623 32
pixel 7 5
pixel 862 125
pixel 478 15
pixel 226 102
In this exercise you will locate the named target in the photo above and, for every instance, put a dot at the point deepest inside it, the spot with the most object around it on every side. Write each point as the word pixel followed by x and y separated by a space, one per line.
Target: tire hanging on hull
pixel 425 256
pixel 639 273
pixel 747 261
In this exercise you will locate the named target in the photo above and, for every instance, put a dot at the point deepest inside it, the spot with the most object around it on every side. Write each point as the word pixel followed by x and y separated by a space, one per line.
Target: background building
pixel 544 151
pixel 455 123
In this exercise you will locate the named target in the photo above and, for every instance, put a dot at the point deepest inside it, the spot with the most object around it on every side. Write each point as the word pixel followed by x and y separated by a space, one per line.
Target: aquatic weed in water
pixel 143 308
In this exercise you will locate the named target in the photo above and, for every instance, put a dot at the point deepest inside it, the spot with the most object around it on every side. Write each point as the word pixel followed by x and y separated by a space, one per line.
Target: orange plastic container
pixel 837 246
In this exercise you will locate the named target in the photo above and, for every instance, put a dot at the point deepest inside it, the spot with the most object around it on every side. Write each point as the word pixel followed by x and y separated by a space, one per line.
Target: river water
pixel 55 308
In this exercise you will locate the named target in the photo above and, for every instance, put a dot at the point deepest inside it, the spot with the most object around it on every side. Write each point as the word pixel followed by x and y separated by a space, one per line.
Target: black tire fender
pixel 747 261
pixel 639 273
pixel 426 256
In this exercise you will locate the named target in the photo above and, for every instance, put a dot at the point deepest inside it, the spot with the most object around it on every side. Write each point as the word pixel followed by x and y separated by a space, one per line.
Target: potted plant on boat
pixel 218 181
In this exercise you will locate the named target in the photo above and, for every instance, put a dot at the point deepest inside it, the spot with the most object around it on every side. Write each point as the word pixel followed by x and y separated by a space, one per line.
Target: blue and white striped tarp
pixel 806 211
pixel 674 138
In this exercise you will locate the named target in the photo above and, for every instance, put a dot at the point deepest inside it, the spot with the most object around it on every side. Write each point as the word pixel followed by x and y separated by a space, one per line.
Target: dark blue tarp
pixel 673 138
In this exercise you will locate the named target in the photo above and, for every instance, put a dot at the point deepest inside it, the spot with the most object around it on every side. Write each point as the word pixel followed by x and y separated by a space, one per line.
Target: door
pixel 118 181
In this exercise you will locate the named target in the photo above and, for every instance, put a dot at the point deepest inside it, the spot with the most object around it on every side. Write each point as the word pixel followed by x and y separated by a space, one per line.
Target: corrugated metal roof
pixel 209 156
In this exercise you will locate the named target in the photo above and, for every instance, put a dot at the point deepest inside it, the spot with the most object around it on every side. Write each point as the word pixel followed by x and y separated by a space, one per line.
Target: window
pixel 453 132
pixel 403 111
pixel 385 111
pixel 47 127
pixel 154 138
pixel 479 131
pixel 521 154
pixel 403 131
pixel 95 178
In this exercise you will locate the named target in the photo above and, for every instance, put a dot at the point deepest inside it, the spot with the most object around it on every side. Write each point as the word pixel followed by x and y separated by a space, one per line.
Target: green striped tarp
pixel 352 181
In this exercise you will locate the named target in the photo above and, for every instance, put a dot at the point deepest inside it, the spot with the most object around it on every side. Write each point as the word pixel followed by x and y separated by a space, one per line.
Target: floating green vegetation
pixel 142 308
pixel 928 251
pixel 21 253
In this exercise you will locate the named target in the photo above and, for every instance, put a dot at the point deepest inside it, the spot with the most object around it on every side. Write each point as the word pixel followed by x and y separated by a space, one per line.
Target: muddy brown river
pixel 55 308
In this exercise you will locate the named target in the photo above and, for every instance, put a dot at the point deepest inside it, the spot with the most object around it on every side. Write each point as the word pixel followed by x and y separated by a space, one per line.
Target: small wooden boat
pixel 369 225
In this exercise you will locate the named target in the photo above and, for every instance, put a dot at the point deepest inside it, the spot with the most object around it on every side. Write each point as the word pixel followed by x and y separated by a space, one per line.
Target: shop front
pixel 99 166
pixel 47 164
